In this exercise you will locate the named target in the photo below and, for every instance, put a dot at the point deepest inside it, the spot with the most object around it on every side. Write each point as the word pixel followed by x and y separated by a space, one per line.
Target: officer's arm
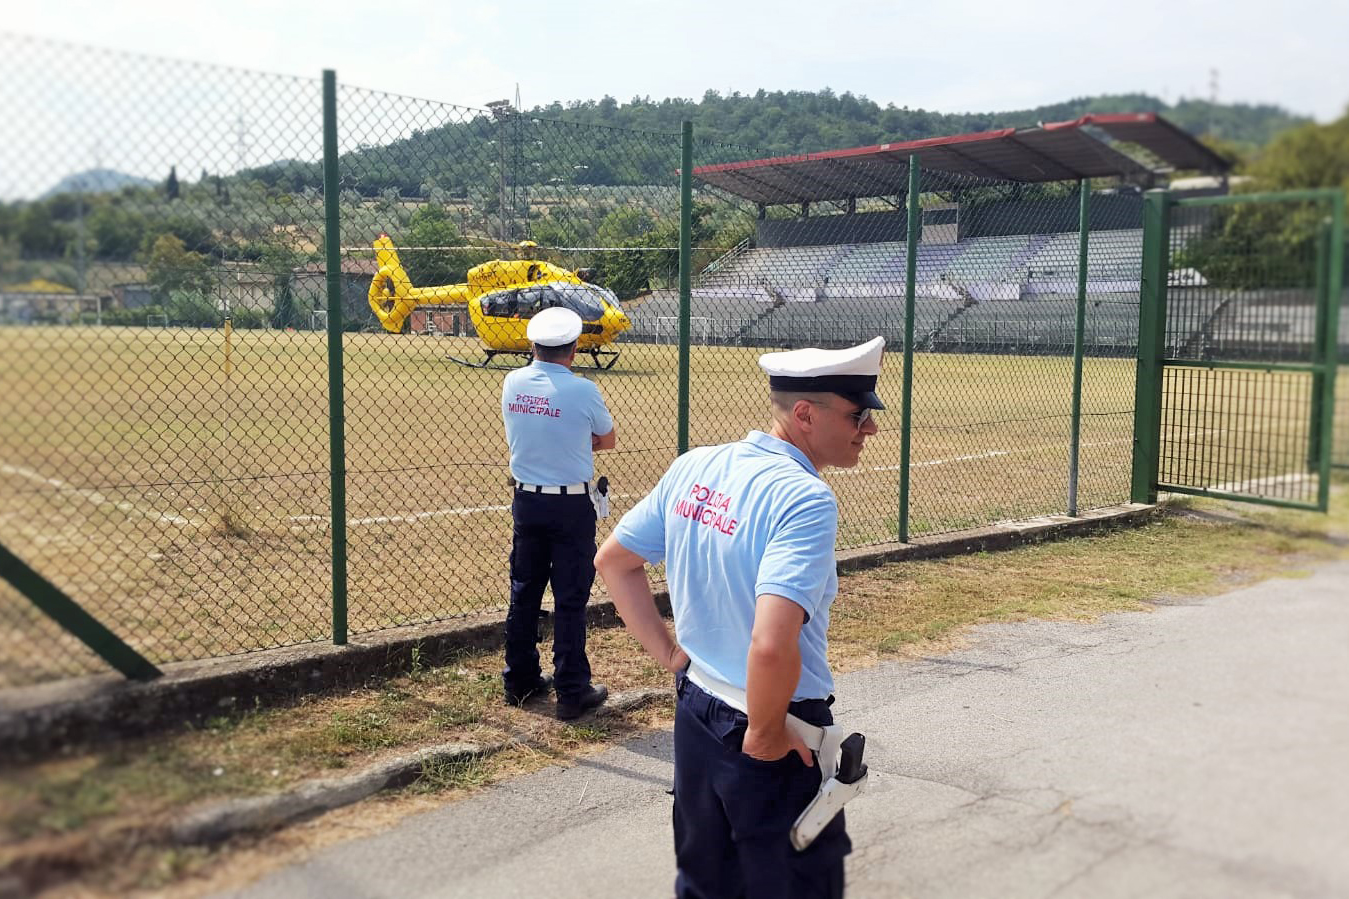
pixel 604 441
pixel 774 670
pixel 624 573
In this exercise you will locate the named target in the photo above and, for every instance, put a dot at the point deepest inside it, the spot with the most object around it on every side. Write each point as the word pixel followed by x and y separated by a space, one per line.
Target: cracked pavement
pixel 1200 749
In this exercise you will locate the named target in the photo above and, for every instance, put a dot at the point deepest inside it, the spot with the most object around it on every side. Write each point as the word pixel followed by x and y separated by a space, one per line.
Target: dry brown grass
pixel 189 509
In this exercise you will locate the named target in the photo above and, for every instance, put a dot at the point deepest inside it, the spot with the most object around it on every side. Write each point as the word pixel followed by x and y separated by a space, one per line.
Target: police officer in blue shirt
pixel 554 421
pixel 747 533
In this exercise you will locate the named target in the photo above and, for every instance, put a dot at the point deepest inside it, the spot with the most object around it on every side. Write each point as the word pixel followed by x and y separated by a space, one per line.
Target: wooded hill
pixel 604 142
pixel 811 121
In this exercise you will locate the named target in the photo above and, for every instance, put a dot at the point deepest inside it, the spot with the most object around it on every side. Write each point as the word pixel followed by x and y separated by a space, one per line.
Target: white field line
pixel 409 518
pixel 98 499
pixel 1254 485
pixel 971 457
pixel 299 522
pixel 304 522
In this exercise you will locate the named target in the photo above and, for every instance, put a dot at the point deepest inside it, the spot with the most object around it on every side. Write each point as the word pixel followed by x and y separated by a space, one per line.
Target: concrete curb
pixel 1003 535
pixel 82 711
pixel 218 821
pixel 222 820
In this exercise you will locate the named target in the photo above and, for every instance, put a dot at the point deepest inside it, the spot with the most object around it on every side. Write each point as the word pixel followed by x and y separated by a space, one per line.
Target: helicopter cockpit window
pixel 500 303
pixel 578 299
pixel 526 302
pixel 533 300
pixel 609 296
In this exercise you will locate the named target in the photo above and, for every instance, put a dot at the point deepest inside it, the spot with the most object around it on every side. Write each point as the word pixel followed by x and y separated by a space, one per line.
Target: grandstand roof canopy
pixel 1062 151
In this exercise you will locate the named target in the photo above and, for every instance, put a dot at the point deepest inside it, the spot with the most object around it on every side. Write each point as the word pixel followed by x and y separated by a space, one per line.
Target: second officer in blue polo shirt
pixel 747 533
pixel 554 421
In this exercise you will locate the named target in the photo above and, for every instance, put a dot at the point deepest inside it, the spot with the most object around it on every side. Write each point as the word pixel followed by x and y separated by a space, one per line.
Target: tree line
pixel 1274 245
pixel 592 173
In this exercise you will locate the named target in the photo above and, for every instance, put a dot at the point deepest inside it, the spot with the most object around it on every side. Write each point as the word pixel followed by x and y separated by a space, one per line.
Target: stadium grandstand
pixel 997 262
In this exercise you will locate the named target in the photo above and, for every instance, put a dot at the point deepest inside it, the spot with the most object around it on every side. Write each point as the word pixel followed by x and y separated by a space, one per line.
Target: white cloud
pixel 957 55
pixel 960 55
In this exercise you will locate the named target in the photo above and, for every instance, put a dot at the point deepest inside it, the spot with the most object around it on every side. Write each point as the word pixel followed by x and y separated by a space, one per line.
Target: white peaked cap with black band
pixel 850 372
pixel 554 327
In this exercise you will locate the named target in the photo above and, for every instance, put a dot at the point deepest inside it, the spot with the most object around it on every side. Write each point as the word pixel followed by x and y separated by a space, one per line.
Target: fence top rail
pixel 1309 368
pixel 1316 193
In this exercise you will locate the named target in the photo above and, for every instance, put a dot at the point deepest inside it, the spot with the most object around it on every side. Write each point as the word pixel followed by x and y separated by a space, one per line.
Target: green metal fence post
pixel 74 619
pixel 1083 232
pixel 685 264
pixel 1151 344
pixel 910 277
pixel 336 413
pixel 1330 347
pixel 1319 359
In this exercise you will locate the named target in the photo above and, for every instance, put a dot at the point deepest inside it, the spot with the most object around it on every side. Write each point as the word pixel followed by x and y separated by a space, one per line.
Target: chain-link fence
pixel 149 455
pixel 1247 314
pixel 454 190
pixel 995 284
pixel 166 302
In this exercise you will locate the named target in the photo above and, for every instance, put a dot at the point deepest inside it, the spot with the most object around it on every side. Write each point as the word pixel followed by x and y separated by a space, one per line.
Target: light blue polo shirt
pixel 732 522
pixel 550 414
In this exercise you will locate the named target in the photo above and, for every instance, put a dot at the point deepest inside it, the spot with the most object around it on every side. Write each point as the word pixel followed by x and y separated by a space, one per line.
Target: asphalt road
pixel 1198 750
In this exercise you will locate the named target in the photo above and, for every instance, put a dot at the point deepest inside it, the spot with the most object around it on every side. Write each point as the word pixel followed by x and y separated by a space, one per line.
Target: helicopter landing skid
pixel 596 354
pixel 487 363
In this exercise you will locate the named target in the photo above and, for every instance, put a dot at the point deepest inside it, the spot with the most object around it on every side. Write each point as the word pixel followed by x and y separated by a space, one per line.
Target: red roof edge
pixel 1103 120
pixel 1194 150
pixel 896 147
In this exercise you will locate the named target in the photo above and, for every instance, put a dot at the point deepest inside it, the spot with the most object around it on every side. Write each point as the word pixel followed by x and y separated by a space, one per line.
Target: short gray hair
pixel 553 353
pixel 784 401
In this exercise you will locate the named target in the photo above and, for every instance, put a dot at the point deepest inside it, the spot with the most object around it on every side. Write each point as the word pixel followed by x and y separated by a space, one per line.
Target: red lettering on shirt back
pixel 708 507
pixel 532 405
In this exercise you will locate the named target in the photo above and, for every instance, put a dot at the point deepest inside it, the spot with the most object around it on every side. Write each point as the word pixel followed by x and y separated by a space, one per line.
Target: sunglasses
pixel 859 417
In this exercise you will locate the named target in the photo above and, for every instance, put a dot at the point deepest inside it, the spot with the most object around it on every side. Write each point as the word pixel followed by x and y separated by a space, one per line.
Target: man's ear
pixel 802 412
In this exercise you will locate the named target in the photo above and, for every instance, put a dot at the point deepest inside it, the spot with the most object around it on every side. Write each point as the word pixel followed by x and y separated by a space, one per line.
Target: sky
pixel 950 56
pixel 191 97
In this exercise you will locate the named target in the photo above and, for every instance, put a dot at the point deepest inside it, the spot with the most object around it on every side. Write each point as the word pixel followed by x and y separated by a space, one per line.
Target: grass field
pixel 179 487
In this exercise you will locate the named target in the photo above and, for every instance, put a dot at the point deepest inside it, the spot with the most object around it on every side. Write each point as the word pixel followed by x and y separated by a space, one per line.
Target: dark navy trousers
pixel 733 814
pixel 554 541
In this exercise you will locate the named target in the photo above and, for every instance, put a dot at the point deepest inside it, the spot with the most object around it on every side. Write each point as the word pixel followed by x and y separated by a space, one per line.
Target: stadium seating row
pixel 1026 260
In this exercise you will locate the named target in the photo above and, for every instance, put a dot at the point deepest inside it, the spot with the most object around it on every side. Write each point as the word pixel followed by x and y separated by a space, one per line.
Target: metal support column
pixel 74 619
pixel 1151 346
pixel 1330 345
pixel 685 262
pixel 1079 329
pixel 910 278
pixel 332 245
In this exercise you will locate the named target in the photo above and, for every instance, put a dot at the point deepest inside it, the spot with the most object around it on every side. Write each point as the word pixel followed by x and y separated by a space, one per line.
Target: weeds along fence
pixel 212 443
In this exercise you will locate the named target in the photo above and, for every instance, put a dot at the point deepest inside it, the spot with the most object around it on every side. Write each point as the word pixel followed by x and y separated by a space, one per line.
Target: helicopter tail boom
pixel 392 296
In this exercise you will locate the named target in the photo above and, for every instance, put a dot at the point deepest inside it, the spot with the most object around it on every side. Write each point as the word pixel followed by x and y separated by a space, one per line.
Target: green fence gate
pixel 1237 347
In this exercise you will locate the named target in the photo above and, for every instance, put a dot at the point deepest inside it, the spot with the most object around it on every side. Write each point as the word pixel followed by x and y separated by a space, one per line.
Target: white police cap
pixel 851 372
pixel 554 326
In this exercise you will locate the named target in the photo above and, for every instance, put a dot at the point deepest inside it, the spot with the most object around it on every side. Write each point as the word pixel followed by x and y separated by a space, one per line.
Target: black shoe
pixel 594 695
pixel 541 686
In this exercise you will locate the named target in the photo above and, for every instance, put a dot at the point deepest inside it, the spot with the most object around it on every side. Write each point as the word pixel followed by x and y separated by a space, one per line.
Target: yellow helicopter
pixel 501 296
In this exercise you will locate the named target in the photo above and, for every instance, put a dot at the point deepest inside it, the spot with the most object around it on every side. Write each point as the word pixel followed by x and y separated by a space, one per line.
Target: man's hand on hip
pixel 771 744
